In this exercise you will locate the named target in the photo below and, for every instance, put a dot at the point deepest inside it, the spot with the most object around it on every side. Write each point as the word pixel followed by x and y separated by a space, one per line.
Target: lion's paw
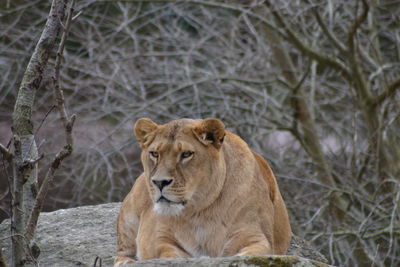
pixel 121 261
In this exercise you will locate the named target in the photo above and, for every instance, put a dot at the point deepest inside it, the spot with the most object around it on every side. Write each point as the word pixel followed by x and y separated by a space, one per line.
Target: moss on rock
pixel 265 261
pixel 281 261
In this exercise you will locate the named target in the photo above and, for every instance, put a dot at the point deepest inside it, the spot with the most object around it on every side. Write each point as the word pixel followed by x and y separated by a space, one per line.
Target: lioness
pixel 203 192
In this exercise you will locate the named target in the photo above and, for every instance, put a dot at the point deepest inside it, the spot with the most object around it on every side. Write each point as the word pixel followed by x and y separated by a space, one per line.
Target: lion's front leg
pixel 248 243
pixel 261 247
pixel 168 248
pixel 126 234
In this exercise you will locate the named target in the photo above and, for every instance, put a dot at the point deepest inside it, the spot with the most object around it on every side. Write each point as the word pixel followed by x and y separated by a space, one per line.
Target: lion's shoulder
pixel 267 174
pixel 138 198
pixel 238 154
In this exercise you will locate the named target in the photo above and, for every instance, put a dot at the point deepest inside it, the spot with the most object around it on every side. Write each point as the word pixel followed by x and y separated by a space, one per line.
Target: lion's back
pixel 251 172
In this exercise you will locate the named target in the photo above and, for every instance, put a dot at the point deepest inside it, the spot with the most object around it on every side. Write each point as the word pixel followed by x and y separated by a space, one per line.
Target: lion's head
pixel 183 163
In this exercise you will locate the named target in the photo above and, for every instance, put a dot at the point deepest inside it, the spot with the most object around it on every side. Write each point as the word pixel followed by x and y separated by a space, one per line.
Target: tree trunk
pixel 25 161
pixel 302 110
pixel 339 204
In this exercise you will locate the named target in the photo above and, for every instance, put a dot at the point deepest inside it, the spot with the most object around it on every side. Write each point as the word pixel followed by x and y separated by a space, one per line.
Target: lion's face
pixel 182 162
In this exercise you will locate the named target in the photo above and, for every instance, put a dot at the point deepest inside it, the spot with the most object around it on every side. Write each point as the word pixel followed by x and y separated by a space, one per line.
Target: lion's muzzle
pixel 161 182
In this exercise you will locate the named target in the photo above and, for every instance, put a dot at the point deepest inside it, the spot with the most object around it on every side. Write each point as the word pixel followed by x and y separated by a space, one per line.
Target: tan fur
pixel 225 197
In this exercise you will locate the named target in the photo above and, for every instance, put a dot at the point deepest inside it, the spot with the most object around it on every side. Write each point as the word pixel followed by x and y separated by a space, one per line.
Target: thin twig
pixel 358 22
pixel 44 118
pixel 77 15
pixel 99 260
pixel 361 86
pixel 59 95
pixel 331 36
pixel 390 90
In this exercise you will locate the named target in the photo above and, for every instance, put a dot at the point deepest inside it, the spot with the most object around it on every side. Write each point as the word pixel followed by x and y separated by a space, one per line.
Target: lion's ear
pixel 210 131
pixel 143 127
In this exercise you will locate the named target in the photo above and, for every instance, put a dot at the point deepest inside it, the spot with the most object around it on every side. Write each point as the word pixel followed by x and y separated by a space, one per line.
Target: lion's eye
pixel 153 154
pixel 186 154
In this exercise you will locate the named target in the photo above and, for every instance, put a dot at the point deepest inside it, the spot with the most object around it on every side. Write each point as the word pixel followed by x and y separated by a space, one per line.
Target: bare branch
pixel 2 261
pixel 299 44
pixel 358 22
pixel 361 85
pixel 17 218
pixel 7 155
pixel 32 222
pixel 22 123
pixel 76 16
pixel 335 41
pixel 68 125
pixel 390 90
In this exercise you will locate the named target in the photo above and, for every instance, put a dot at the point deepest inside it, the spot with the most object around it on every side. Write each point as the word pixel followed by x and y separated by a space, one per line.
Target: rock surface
pixel 75 237
pixel 267 261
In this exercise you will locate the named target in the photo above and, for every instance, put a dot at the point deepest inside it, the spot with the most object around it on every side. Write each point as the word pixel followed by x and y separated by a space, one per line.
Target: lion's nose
pixel 161 183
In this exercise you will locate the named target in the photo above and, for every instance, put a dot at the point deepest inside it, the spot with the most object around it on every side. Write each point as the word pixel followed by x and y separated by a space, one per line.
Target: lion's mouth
pixel 163 199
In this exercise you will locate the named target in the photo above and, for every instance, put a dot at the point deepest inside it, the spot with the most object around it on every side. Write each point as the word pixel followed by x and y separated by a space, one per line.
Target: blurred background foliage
pixel 309 84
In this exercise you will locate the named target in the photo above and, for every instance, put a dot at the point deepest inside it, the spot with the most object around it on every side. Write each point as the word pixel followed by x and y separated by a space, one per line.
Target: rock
pixel 75 237
pixel 267 261
pixel 302 248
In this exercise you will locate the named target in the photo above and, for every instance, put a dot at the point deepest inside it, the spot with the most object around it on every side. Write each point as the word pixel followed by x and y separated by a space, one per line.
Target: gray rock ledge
pixel 262 260
pixel 75 237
